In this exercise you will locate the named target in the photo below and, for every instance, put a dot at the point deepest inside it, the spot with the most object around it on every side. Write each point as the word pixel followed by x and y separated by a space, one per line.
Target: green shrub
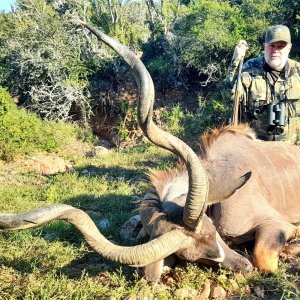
pixel 6 102
pixel 211 113
pixel 84 134
pixel 159 66
pixel 172 120
pixel 23 133
pixel 169 119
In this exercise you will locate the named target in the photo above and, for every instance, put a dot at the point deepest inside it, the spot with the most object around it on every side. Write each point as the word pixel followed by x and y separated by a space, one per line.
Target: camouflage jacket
pixel 258 90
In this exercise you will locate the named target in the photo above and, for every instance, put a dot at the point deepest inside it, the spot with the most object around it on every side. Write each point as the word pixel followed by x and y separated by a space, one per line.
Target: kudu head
pixel 197 231
pixel 189 239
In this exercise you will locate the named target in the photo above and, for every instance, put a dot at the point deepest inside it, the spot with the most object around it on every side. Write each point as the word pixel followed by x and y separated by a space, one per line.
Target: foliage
pixel 213 112
pixel 164 61
pixel 124 21
pixel 210 30
pixel 172 120
pixel 43 52
pixel 128 129
pixel 6 102
pixel 23 133
pixel 63 70
pixel 169 119
pixel 65 73
pixel 291 17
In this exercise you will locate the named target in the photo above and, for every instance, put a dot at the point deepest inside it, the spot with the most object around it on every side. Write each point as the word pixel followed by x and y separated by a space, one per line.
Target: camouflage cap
pixel 277 33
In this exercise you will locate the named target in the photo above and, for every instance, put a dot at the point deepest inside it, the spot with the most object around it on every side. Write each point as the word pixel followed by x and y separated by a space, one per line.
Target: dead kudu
pixel 265 210
pixel 190 234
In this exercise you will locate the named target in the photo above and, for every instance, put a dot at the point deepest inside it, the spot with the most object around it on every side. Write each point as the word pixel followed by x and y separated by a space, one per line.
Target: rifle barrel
pixel 235 115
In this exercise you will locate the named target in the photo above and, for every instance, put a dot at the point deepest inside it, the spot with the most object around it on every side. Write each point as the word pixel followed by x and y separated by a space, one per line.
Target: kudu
pixel 265 210
pixel 190 235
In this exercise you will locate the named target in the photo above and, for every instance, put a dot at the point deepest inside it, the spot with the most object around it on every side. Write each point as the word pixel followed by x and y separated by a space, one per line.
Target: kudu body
pixel 266 209
pixel 191 236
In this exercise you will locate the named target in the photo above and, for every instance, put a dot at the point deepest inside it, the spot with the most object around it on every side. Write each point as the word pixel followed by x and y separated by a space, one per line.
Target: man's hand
pixel 240 50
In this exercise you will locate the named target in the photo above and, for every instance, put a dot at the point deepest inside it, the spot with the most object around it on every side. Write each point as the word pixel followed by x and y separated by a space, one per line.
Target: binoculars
pixel 276 114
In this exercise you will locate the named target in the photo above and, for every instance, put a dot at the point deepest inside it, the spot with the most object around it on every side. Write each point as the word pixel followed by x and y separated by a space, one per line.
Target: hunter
pixel 269 89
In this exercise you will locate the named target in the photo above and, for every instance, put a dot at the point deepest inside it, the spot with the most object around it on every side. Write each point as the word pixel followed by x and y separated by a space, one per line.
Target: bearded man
pixel 270 87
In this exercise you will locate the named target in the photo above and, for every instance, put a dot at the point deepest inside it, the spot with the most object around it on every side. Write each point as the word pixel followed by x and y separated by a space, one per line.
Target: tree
pixel 42 51
pixel 291 18
pixel 209 31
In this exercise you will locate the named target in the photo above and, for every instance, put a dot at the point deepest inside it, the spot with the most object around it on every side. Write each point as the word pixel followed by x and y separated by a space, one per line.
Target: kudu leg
pixel 154 271
pixel 294 248
pixel 270 240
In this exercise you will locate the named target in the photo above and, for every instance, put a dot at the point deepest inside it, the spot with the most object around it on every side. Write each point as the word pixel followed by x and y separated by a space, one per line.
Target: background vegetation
pixel 59 86
pixel 63 73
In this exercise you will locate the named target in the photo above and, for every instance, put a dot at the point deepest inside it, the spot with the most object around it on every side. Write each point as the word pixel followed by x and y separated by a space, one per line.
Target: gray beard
pixel 275 65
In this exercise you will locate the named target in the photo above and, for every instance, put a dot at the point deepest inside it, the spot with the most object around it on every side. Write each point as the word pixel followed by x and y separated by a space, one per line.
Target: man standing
pixel 270 87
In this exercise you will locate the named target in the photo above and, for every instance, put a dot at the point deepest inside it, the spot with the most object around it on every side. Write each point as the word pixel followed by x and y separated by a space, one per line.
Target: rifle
pixel 235 115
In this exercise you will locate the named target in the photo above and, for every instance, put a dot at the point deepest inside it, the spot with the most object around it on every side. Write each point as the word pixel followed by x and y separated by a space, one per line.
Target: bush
pixel 6 102
pixel 172 120
pixel 208 33
pixel 43 51
pixel 23 133
pixel 214 112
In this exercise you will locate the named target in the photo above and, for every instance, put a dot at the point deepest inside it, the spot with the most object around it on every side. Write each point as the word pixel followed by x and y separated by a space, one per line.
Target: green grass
pixel 53 262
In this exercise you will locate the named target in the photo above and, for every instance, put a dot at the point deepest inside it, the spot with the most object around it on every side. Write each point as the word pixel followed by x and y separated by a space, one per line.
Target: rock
pixel 94 214
pixel 205 291
pixel 50 237
pixel 90 153
pixel 217 292
pixel 135 198
pixel 96 151
pixel 234 284
pixel 186 293
pixel 131 297
pixel 130 230
pixel 260 292
pixel 100 149
pixel 49 164
pixel 106 144
pixel 103 224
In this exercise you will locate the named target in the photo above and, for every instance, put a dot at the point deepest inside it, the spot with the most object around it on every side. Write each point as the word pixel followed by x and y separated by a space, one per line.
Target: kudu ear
pixel 224 188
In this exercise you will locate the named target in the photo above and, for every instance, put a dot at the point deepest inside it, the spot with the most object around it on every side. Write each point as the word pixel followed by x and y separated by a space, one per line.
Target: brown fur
pixel 265 259
pixel 158 217
pixel 159 178
pixel 268 204
pixel 212 135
